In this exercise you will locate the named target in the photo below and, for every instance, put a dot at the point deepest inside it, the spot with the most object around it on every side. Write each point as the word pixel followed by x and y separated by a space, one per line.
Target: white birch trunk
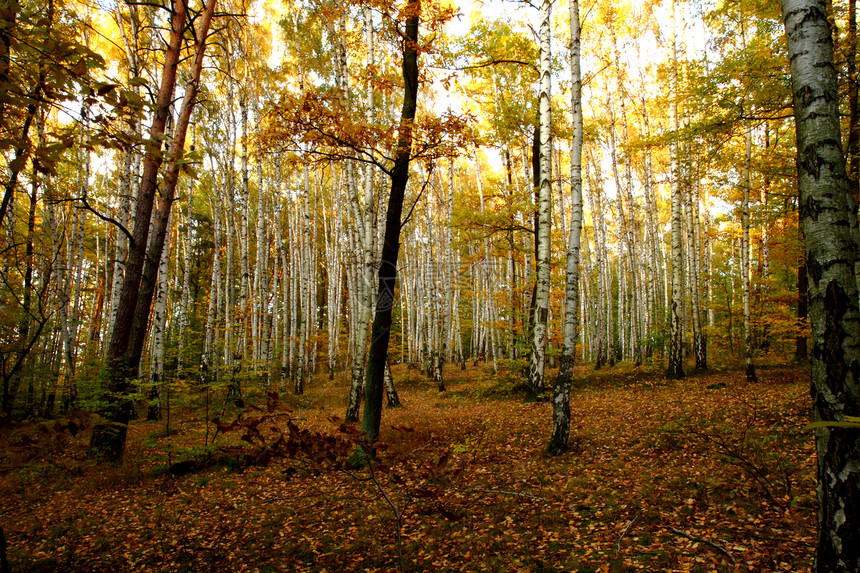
pixel 159 324
pixel 745 258
pixel 676 330
pixel 541 310
pixel 561 394
pixel 830 232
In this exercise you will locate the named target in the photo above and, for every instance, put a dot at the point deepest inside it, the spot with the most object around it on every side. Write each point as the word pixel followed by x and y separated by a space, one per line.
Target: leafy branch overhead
pixel 319 124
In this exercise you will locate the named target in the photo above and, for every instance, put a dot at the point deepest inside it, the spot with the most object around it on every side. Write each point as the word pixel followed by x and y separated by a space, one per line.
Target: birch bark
pixel 544 216
pixel 561 392
pixel 676 330
pixel 829 228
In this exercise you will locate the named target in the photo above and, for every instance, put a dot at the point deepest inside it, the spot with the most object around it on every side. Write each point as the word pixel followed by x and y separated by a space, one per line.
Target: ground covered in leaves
pixel 707 474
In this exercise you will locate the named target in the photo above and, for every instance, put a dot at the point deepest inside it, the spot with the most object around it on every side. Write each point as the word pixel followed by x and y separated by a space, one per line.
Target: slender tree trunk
pixel 600 255
pixel 159 324
pixel 692 201
pixel 745 241
pixel 364 216
pixel 745 260
pixel 676 331
pixel 544 213
pixel 561 392
pixel 381 330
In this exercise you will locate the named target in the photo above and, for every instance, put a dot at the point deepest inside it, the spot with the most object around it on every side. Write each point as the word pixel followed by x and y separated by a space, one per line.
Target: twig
pixel 698 539
pixel 419 448
pixel 516 493
pixel 398 515
pixel 624 532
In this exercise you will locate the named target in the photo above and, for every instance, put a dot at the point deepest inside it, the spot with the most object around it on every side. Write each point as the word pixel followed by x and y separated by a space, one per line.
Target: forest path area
pixel 706 474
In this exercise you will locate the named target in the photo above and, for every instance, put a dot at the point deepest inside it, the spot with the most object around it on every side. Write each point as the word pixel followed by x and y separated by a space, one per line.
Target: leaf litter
pixel 707 474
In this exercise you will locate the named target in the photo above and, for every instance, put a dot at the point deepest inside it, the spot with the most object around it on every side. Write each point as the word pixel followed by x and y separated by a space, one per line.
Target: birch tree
pixel 745 240
pixel 537 363
pixel 561 391
pixel 829 226
pixel 676 328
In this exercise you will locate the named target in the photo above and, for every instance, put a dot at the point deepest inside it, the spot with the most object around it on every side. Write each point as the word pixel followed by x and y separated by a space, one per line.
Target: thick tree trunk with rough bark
pixel 829 228
pixel 108 440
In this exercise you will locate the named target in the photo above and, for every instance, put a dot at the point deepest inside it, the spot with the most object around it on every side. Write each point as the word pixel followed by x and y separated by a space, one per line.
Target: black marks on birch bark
pixel 831 348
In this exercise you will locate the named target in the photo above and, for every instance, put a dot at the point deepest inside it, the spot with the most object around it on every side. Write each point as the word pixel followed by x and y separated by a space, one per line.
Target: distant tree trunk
pixel 207 362
pixel 488 278
pixel 381 330
pixel 601 307
pixel 631 225
pixel 185 293
pixel 676 330
pixel 285 295
pixel 745 261
pixel 544 213
pixel 242 314
pixel 655 235
pixel 448 292
pixel 561 391
pixel 829 228
pixel 695 272
pixel 745 241
pixel 334 273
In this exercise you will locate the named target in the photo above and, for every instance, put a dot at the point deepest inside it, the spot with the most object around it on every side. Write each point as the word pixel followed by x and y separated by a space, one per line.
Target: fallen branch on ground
pixel 698 539
pixel 624 532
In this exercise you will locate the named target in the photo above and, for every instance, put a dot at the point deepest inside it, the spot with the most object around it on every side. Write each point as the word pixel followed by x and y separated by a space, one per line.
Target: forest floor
pixel 706 474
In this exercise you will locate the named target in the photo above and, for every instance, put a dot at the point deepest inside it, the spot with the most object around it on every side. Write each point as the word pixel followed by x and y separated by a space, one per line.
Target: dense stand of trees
pixel 208 198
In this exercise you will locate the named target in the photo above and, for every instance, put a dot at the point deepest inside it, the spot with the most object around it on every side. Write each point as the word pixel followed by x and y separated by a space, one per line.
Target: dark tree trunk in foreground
pixel 381 329
pixel 829 227
pixel 127 338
